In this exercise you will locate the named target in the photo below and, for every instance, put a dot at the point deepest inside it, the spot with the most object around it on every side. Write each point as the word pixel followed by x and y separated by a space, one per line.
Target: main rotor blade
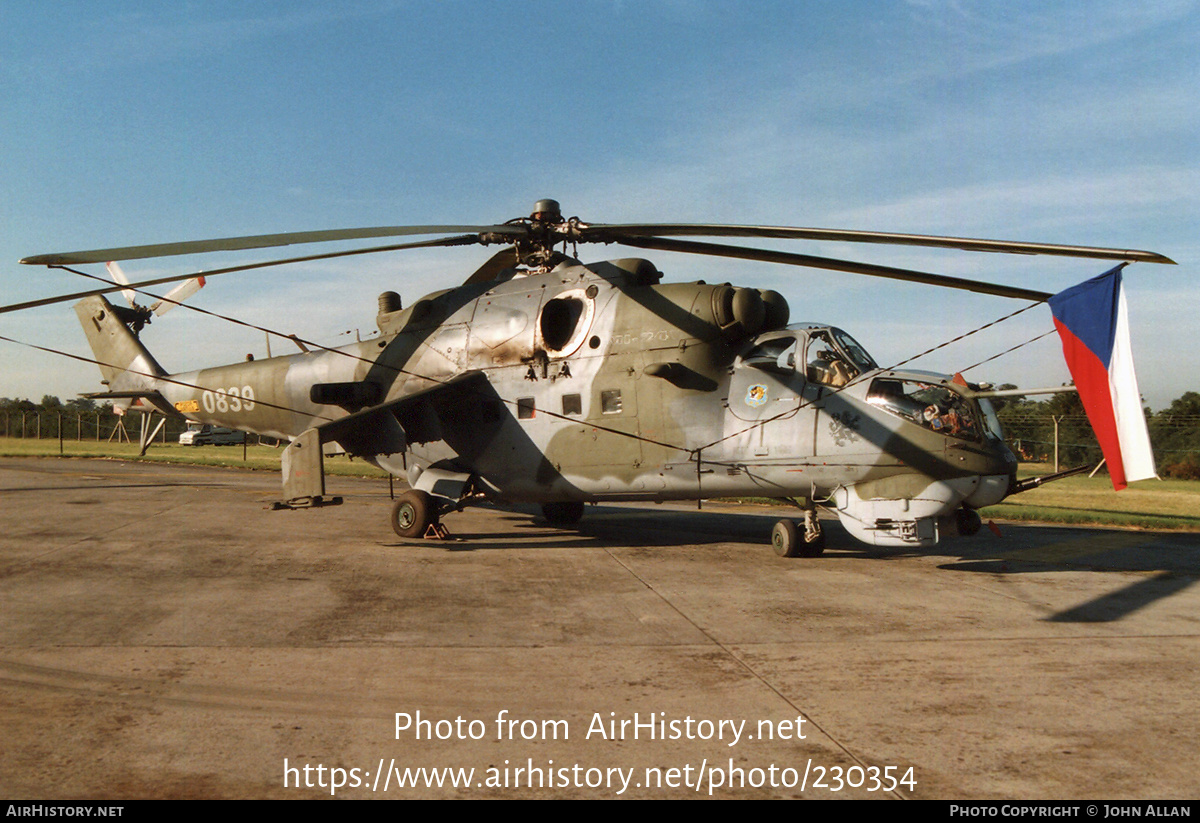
pixel 260 241
pixel 766 255
pixel 618 233
pixel 463 240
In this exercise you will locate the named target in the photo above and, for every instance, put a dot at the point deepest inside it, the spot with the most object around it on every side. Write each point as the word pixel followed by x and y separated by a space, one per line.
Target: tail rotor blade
pixel 117 275
pixel 177 295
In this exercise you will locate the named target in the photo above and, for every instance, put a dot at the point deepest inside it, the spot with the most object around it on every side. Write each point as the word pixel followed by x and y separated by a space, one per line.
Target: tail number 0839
pixel 231 399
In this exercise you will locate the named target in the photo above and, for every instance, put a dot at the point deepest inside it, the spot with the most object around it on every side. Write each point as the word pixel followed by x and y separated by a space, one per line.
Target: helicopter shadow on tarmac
pixel 606 526
pixel 1165 563
pixel 1157 565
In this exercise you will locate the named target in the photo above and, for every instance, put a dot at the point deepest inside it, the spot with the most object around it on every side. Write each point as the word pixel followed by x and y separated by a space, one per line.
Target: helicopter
pixel 542 379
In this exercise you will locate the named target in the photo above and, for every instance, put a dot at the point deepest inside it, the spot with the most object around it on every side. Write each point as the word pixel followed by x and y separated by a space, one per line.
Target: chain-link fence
pixel 1067 440
pixel 84 425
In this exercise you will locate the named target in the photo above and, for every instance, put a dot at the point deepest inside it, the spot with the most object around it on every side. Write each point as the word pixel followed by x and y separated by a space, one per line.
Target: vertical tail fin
pixel 124 362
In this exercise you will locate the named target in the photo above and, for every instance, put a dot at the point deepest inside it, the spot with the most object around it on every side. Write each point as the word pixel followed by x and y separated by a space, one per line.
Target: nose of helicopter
pixel 997 477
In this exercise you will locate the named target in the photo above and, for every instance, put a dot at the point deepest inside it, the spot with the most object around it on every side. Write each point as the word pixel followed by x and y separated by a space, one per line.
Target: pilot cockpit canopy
pixel 822 354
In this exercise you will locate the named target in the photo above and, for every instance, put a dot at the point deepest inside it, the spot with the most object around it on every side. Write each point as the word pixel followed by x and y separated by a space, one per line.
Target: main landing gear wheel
pixel 790 540
pixel 563 514
pixel 413 514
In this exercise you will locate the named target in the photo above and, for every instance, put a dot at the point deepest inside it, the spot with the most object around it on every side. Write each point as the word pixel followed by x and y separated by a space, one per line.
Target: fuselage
pixel 616 386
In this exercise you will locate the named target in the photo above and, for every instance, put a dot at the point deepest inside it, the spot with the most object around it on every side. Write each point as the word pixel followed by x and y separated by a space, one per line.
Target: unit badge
pixel 756 395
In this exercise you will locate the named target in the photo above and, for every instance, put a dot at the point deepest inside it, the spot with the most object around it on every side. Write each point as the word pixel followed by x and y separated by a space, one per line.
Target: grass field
pixel 1148 504
pixel 261 458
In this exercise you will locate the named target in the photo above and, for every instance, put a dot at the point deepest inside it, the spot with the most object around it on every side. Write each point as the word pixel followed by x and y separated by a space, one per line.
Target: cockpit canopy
pixel 827 356
pixel 823 354
pixel 932 405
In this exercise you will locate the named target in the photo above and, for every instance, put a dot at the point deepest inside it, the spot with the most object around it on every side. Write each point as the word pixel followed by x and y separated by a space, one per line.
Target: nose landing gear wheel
pixel 789 540
pixel 413 514
pixel 785 539
pixel 968 521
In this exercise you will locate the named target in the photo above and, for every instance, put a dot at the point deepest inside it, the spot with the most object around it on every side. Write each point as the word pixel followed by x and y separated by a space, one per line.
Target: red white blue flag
pixel 1093 323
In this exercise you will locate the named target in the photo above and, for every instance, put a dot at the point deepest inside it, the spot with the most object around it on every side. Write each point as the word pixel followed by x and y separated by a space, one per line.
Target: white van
pixel 202 434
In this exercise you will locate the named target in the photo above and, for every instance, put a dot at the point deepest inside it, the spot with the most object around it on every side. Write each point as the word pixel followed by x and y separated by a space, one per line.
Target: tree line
pixel 80 418
pixel 1029 427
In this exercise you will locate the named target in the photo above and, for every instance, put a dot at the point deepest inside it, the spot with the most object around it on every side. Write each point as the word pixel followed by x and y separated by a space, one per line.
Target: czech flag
pixel 1093 323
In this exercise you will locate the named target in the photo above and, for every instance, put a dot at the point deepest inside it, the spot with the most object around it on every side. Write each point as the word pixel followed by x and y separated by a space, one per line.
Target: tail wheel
pixel 413 514
pixel 563 514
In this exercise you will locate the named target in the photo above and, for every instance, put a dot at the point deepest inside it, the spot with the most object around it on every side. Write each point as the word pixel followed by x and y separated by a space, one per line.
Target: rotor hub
pixel 547 211
pixel 544 229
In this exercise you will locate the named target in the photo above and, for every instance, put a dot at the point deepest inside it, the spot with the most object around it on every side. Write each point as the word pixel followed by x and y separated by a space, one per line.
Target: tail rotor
pixel 136 316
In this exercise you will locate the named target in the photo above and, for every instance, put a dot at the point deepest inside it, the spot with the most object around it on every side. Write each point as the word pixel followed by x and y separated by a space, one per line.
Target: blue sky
pixel 134 122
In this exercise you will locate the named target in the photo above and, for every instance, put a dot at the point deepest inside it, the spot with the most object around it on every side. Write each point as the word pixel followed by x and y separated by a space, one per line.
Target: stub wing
pixel 432 414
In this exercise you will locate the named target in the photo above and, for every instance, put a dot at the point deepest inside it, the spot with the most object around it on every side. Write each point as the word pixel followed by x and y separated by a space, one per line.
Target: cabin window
pixel 572 404
pixel 610 401
pixel 526 408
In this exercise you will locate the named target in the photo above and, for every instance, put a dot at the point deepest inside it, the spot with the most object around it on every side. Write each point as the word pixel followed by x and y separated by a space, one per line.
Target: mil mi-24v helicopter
pixel 546 380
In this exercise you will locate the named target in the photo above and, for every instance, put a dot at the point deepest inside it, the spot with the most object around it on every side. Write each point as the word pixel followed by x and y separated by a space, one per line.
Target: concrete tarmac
pixel 162 635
